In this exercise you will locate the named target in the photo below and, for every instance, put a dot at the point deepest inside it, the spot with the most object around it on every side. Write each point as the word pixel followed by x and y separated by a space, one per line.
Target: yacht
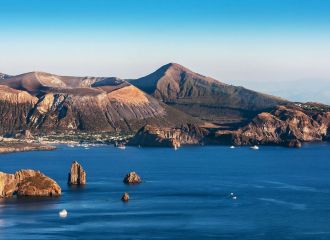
pixel 255 147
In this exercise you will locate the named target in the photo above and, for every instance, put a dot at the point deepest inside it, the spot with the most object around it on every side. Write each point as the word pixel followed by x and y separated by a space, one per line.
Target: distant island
pixel 170 107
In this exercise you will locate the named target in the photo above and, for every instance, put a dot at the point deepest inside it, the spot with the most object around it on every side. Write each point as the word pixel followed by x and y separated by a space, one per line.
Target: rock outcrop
pixel 125 197
pixel 8 185
pixel 285 125
pixel 77 175
pixel 15 106
pixel 152 136
pixel 132 178
pixel 28 183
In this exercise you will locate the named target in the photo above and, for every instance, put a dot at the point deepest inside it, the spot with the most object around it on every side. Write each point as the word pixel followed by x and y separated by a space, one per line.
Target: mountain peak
pixel 176 67
pixel 179 86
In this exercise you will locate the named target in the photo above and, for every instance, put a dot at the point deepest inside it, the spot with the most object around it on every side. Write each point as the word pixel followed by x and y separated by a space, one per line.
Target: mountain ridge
pixel 179 86
pixel 171 106
pixel 64 103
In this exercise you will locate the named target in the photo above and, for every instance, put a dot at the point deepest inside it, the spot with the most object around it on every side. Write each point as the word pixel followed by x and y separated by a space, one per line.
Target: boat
pixel 121 146
pixel 255 147
pixel 71 145
pixel 63 213
pixel 232 146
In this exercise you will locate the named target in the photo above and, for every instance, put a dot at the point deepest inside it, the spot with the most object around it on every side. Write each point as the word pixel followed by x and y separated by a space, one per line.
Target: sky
pixel 276 46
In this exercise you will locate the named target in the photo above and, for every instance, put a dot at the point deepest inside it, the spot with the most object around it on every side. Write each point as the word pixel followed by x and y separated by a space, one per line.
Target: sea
pixel 205 192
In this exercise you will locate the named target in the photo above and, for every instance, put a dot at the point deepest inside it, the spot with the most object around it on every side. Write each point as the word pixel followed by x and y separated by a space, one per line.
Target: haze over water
pixel 281 194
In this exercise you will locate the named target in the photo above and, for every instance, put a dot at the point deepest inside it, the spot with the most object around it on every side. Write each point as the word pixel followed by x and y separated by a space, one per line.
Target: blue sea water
pixel 281 194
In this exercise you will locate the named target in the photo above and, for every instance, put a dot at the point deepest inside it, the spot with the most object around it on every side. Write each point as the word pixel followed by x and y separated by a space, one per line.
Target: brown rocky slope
pixel 205 97
pixel 181 103
pixel 28 183
pixel 44 102
pixel 151 136
pixel 301 122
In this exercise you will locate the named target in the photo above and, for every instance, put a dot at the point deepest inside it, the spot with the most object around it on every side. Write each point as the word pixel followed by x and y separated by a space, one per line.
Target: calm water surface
pixel 281 194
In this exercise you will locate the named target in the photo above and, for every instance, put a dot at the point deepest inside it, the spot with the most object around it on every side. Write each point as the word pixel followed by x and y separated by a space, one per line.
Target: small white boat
pixel 121 146
pixel 234 197
pixel 63 213
pixel 71 145
pixel 255 147
pixel 232 147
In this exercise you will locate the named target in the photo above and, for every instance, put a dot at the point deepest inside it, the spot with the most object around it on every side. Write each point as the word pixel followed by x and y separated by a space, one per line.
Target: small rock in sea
pixel 77 175
pixel 63 213
pixel 294 144
pixel 125 197
pixel 132 178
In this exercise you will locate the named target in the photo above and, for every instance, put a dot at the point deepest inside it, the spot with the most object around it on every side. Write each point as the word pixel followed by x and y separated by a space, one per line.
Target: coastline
pixel 13 147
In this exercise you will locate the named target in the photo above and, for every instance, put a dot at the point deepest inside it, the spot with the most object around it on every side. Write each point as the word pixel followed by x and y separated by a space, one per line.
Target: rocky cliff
pixel 43 103
pixel 152 136
pixel 77 175
pixel 283 125
pixel 28 183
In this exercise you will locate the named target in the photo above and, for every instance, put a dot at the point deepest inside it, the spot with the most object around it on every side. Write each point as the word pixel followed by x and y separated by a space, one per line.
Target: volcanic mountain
pixel 171 106
pixel 205 97
pixel 43 102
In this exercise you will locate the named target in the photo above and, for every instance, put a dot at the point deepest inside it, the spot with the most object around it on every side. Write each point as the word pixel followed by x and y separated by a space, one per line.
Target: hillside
pixel 205 97
pixel 43 103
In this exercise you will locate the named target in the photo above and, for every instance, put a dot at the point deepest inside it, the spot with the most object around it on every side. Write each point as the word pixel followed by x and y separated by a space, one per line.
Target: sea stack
pixel 125 197
pixel 77 175
pixel 132 178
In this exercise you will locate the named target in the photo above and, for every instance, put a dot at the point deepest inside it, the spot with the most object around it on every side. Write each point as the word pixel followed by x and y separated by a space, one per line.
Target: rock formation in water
pixel 152 136
pixel 132 178
pixel 285 125
pixel 77 175
pixel 125 197
pixel 28 183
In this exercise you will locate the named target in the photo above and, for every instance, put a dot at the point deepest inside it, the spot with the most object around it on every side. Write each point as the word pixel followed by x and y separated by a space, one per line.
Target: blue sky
pixel 262 44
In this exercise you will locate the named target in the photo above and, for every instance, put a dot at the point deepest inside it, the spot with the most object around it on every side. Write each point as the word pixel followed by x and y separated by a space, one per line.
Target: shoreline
pixel 14 147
